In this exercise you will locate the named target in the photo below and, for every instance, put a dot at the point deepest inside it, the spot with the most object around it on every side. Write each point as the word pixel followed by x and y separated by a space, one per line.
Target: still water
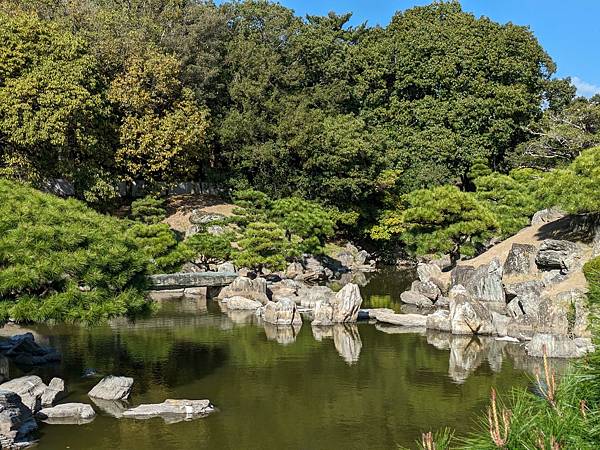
pixel 361 386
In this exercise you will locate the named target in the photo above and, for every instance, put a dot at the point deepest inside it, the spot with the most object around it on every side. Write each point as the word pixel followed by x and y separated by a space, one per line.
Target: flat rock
pixel 67 414
pixel 112 388
pixel 172 410
pixel 405 320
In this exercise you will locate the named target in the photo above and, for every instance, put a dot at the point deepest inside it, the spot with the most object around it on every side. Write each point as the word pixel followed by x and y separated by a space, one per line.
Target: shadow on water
pixel 347 386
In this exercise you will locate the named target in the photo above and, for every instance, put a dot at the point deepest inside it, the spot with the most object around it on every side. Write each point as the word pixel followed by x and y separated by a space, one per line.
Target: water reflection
pixel 346 339
pixel 282 334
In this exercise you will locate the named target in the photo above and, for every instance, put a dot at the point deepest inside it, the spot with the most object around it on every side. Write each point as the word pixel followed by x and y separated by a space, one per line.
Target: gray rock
pixel 405 320
pixel 294 270
pixel 309 296
pixel 215 230
pixel 575 299
pixel 439 320
pixel 371 313
pixel 67 414
pixel 282 313
pixel 191 279
pixel 114 408
pixel 226 267
pixel 54 392
pixel 431 272
pixel 558 346
pixel 428 288
pixel 190 267
pixel 460 275
pixel 112 388
pixel 245 287
pixel 557 254
pixel 415 298
pixel 343 307
pixel 442 302
pixel 172 410
pixel 16 421
pixel 485 283
pixel 469 316
pixel 241 303
pixel 23 350
pixel 520 261
pixel 30 388
pixel 202 218
pixel 546 216
pixel 545 315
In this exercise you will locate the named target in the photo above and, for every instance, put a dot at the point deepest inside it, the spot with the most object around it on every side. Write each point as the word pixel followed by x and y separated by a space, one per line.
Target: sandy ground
pixel 180 207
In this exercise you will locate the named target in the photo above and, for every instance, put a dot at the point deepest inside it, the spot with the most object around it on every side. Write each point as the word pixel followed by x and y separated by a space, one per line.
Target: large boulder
pixel 23 350
pixel 112 388
pixel 294 270
pixel 245 287
pixel 469 316
pixel 520 261
pixel 576 300
pixel 485 283
pixel 283 312
pixel 343 307
pixel 427 288
pixel 432 273
pixel 460 275
pixel 172 410
pixel 54 392
pixel 309 296
pixel 544 315
pixel 415 298
pixel 439 320
pixel 30 388
pixel 16 421
pixel 241 303
pixel 67 414
pixel 558 346
pixel 557 254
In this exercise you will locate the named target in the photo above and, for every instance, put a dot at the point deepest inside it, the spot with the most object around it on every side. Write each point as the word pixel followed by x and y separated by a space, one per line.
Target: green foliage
pixel 160 245
pixel 210 248
pixel 149 210
pixel 264 245
pixel 479 168
pixel 305 219
pixel 60 260
pixel 560 135
pixel 439 220
pixel 512 202
pixel 575 188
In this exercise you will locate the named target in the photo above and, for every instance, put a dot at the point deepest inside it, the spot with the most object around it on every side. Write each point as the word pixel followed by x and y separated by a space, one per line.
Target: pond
pixel 349 387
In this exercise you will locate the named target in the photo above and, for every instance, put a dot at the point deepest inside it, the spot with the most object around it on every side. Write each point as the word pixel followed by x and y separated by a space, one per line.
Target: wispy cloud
pixel 584 88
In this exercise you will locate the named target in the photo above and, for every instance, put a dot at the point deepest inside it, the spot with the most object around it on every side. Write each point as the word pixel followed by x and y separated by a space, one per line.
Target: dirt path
pixel 180 208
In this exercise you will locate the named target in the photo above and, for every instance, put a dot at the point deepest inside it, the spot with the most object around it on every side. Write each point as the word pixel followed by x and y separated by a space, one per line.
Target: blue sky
pixel 569 30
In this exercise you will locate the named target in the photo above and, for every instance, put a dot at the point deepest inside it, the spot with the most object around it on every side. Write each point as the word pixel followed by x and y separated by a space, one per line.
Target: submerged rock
pixel 112 388
pixel 67 414
pixel 172 410
pixel 16 421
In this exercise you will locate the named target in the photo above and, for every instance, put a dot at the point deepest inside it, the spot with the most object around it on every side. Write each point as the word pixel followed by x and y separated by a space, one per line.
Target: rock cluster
pixel 520 299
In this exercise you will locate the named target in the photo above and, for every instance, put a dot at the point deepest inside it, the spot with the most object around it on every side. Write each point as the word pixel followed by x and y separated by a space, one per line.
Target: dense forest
pixel 248 95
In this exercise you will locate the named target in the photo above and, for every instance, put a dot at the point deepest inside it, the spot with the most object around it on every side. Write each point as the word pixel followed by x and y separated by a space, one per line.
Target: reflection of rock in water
pixel 346 339
pixel 395 329
pixel 467 353
pixel 282 334
pixel 241 316
pixel 114 408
